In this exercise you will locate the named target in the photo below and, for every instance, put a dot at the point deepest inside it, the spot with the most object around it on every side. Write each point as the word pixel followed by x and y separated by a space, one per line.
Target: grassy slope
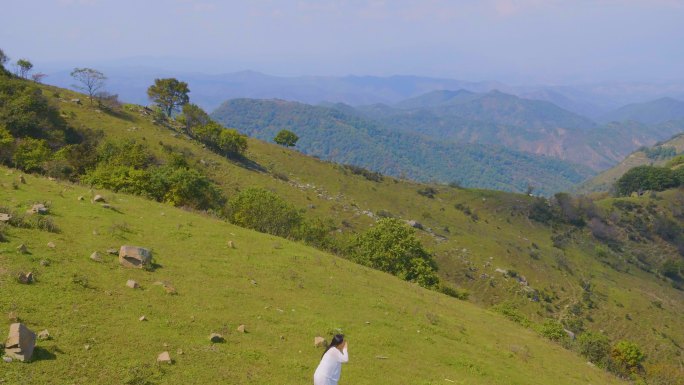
pixel 300 292
pixel 605 180
pixel 501 238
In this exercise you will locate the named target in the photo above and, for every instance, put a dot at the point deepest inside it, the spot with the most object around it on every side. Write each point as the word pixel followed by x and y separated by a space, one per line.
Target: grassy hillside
pixel 346 137
pixel 605 180
pixel 284 293
pixel 602 276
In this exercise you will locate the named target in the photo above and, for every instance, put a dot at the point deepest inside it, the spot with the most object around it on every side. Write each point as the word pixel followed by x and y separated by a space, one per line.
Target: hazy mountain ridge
pixel 343 135
pixel 651 112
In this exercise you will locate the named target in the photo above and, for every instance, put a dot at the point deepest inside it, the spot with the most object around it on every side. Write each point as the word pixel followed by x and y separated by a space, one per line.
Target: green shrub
pixel 643 178
pixel 552 330
pixel 595 347
pixel 451 291
pixel 182 186
pixel 511 312
pixel 627 356
pixel 262 210
pixel 31 154
pixel 392 246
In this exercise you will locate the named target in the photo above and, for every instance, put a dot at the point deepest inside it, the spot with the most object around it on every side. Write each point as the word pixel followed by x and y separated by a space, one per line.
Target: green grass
pixel 467 255
pixel 299 293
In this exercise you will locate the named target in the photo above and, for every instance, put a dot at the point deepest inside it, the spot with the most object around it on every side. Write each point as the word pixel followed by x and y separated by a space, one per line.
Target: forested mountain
pixel 660 154
pixel 341 134
pixel 653 112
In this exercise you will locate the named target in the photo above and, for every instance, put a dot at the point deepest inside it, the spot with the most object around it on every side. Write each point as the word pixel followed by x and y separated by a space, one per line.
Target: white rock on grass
pixel 164 358
pixel 132 284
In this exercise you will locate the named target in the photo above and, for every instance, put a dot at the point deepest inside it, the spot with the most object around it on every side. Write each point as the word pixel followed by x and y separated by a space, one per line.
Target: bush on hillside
pixel 31 154
pixel 184 187
pixel 644 178
pixel 552 330
pixel 369 175
pixel 627 356
pixel 392 246
pixel 264 211
pixel 595 347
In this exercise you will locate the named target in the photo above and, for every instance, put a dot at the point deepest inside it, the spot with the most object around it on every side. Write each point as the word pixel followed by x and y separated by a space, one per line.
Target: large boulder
pixel 133 256
pixel 20 342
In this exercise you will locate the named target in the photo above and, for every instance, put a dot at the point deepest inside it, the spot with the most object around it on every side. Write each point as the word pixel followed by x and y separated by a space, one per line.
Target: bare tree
pixel 91 81
pixel 38 77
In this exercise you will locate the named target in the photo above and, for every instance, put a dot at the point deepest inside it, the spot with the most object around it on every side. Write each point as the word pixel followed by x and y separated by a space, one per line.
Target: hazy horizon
pixel 515 42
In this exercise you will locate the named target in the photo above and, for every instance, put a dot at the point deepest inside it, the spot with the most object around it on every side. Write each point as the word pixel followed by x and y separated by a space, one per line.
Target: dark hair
pixel 335 342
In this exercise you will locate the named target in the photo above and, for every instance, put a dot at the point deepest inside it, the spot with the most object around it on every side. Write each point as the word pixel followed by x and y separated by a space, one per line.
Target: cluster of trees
pixel 198 125
pixel 645 178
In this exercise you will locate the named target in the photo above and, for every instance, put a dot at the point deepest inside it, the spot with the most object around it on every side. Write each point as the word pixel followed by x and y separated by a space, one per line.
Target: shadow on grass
pixel 42 354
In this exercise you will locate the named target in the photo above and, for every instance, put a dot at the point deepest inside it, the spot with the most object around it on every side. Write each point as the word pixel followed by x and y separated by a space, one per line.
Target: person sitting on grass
pixel 328 370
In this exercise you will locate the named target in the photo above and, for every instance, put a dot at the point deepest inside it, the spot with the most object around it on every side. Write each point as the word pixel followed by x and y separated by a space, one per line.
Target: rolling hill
pixel 340 134
pixel 645 156
pixel 653 112
pixel 590 266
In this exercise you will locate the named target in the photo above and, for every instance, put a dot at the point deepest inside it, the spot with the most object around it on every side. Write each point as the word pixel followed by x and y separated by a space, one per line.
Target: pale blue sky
pixel 516 41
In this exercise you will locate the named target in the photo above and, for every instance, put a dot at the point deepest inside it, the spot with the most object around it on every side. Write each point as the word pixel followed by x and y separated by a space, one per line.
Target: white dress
pixel 328 371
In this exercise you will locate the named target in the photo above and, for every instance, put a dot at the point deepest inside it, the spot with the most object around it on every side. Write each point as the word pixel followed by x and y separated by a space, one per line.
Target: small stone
pixel 44 262
pixel 241 329
pixel 51 245
pixel 132 284
pixel 179 352
pixel 98 198
pixel 95 256
pixel 5 217
pixel 22 249
pixel 164 357
pixel 253 282
pixel 106 206
pixel 142 318
pixel 169 288
pixel 38 208
pixel 113 251
pixel 26 278
pixel 216 338
pixel 44 335
pixel 22 179
pixel 7 359
pixel 86 347
pixel 319 342
pixel 81 198
pixel 231 245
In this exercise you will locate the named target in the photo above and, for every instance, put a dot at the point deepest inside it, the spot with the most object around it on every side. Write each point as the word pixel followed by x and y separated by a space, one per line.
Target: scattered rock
pixel 86 347
pixel 415 224
pixel 44 262
pixel 179 352
pixel 164 358
pixel 5 217
pixel 106 206
pixel 98 198
pixel 76 101
pixel 22 179
pixel 95 256
pixel 216 338
pixel 113 251
pixel 132 284
pixel 241 329
pixel 44 335
pixel 502 271
pixel 319 342
pixel 51 245
pixel 81 198
pixel 22 249
pixel 133 256
pixel 26 278
pixel 38 208
pixel 569 333
pixel 20 342
pixel 7 359
pixel 142 318
pixel 231 244
pixel 253 282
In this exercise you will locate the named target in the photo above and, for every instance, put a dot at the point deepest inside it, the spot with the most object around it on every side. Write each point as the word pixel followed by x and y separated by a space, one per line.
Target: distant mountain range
pixel 210 90
pixel 347 137
pixel 652 112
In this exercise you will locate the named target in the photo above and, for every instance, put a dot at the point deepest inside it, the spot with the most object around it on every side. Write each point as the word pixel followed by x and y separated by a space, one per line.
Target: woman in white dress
pixel 328 371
